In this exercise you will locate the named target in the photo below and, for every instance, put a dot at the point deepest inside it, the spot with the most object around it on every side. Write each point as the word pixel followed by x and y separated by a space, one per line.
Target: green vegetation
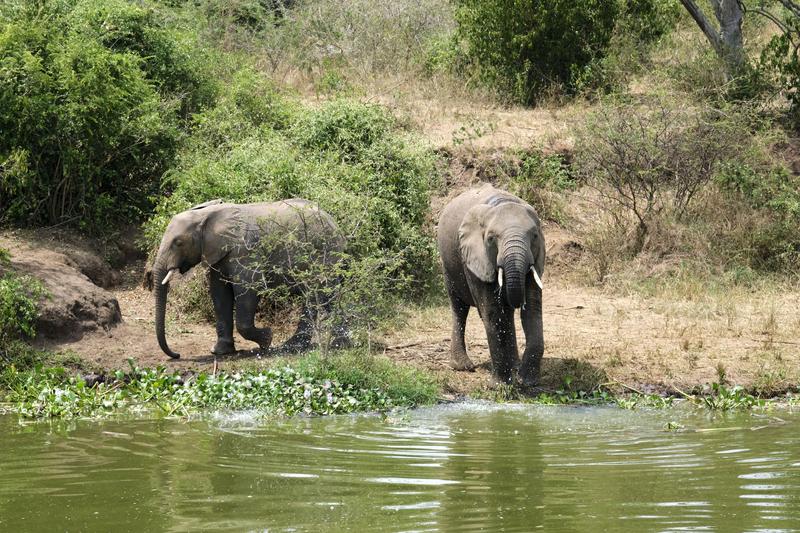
pixel 349 157
pixel 527 49
pixel 91 98
pixel 714 397
pixel 313 386
pixel 116 111
pixel 669 176
pixel 540 179
pixel 19 297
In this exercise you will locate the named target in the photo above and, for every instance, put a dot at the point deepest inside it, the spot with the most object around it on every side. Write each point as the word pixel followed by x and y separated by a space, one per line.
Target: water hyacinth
pixel 46 393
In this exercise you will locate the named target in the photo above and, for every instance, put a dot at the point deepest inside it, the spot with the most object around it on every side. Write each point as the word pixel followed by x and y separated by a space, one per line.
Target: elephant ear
pixel 477 254
pixel 539 252
pixel 222 232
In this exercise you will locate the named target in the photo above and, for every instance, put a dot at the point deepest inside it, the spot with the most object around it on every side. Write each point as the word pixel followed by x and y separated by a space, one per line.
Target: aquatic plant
pixel 598 396
pixel 723 398
pixel 310 389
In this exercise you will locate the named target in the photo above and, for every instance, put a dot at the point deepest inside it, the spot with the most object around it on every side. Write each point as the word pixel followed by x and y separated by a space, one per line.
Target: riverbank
pixel 655 344
pixel 665 342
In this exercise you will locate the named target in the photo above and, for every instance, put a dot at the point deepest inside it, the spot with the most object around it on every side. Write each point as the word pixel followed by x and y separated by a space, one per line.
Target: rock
pixel 74 304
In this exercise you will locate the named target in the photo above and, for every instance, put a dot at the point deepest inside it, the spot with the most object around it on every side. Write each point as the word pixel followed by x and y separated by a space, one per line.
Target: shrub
pixel 649 20
pixel 90 94
pixel 344 127
pixel 539 179
pixel 702 192
pixel 344 296
pixel 19 311
pixel 773 194
pixel 780 60
pixel 653 160
pixel 348 157
pixel 525 47
pixel 639 26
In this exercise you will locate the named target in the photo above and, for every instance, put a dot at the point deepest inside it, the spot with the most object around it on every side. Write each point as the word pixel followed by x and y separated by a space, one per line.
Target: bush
pixel 649 20
pixel 780 60
pixel 528 46
pixel 539 179
pixel 639 26
pixel 772 193
pixel 693 192
pixel 651 161
pixel 348 157
pixel 19 311
pixel 90 96
pixel 344 296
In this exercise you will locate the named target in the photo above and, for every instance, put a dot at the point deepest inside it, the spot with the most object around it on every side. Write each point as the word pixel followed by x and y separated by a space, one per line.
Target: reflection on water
pixel 469 467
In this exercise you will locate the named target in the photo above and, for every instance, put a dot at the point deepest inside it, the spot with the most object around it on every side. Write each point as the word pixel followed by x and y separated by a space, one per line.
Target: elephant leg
pixel 340 331
pixel 532 325
pixel 459 360
pixel 246 306
pixel 498 320
pixel 222 297
pixel 301 339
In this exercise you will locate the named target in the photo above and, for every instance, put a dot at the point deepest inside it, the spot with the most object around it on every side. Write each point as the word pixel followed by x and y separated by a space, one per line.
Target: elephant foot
pixel 461 362
pixel 261 336
pixel 265 342
pixel 500 382
pixel 529 375
pixel 223 347
pixel 296 344
pixel 342 338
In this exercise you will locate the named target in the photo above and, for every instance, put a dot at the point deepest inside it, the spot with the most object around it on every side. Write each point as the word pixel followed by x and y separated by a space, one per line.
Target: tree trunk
pixel 727 40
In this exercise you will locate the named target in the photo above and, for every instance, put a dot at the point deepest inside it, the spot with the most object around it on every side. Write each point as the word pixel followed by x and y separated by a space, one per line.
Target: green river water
pixel 461 467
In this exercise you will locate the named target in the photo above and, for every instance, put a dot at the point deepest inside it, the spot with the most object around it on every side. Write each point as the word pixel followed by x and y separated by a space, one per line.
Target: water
pixel 467 467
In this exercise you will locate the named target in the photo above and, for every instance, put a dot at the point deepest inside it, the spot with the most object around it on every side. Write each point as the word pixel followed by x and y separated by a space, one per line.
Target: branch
pixel 792 7
pixel 705 25
pixel 770 16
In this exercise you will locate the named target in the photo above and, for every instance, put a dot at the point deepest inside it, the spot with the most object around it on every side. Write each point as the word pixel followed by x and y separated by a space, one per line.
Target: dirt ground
pixel 592 336
pixel 647 344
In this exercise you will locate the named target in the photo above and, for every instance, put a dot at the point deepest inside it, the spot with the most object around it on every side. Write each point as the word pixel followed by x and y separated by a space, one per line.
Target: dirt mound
pixel 74 304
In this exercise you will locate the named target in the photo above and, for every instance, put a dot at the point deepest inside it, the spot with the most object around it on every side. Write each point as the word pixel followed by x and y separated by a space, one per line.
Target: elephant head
pixel 206 233
pixel 502 241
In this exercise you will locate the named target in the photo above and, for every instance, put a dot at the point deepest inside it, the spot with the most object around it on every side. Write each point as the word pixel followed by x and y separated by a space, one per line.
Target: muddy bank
pixel 592 336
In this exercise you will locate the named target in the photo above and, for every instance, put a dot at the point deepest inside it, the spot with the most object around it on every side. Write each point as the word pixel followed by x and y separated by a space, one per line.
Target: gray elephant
pixel 493 252
pixel 225 237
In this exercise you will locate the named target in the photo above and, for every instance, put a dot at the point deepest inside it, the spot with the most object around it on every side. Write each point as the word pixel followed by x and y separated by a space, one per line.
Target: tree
pixel 726 36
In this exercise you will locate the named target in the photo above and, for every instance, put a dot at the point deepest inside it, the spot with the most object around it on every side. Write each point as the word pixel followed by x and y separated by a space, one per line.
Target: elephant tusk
pixel 536 277
pixel 168 276
pixel 500 277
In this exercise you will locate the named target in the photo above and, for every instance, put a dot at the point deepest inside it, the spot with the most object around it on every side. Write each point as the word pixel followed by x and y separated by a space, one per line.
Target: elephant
pixel 493 252
pixel 225 237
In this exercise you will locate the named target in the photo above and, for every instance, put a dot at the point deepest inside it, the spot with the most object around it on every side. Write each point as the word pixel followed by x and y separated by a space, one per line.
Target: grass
pixel 41 386
pixel 716 397
pixel 354 382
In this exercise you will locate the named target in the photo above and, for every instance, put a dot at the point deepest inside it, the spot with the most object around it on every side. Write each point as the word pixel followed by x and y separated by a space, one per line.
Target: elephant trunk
pixel 162 289
pixel 515 268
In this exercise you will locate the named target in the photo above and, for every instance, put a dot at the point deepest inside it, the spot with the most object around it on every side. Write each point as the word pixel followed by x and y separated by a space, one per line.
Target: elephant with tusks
pixel 493 253
pixel 223 236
